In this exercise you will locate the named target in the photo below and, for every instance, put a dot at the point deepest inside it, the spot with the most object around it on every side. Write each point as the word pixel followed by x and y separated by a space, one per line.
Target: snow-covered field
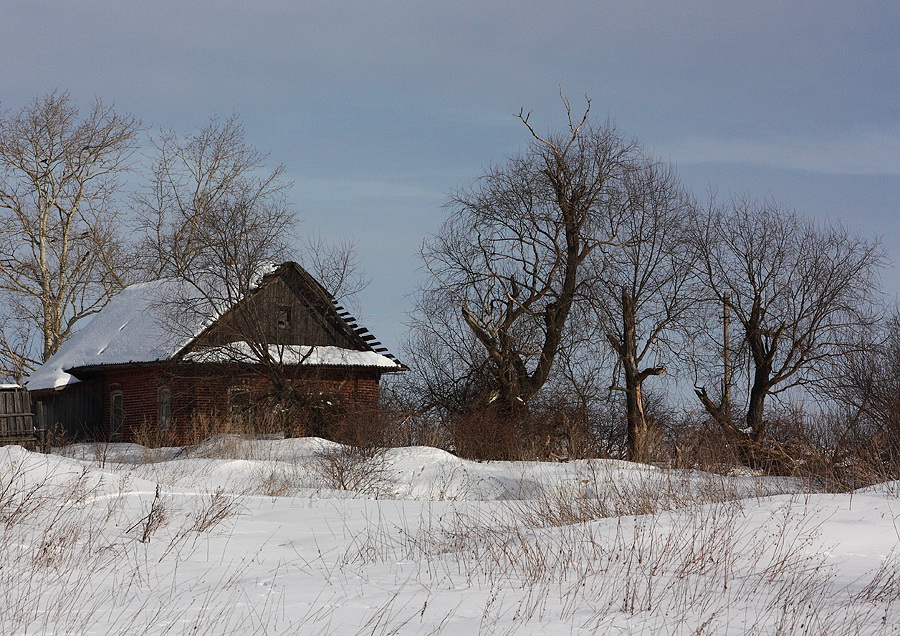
pixel 305 536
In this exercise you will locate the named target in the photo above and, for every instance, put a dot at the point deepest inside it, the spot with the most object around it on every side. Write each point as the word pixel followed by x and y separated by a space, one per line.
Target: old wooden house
pixel 152 363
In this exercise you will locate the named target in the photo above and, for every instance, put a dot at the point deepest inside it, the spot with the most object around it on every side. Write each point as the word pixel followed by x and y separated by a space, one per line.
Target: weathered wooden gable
pixel 291 308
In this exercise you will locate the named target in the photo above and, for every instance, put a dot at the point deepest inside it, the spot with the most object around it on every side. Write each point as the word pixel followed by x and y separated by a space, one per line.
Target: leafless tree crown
pixel 60 247
pixel 210 206
pixel 800 294
pixel 515 255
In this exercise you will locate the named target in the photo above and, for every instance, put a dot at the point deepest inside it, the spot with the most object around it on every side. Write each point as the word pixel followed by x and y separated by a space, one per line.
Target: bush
pixel 353 468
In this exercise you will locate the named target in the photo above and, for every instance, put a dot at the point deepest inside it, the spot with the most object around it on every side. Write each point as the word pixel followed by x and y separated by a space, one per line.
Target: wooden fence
pixel 16 419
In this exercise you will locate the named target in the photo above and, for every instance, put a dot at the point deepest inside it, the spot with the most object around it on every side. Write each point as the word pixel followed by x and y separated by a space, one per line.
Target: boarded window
pixel 116 413
pixel 164 408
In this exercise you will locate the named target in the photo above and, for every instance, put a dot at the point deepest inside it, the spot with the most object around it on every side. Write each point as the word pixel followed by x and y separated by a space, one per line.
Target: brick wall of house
pixel 201 396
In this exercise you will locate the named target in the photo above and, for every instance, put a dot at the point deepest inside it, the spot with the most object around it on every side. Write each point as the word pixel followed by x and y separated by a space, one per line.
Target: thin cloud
pixel 868 152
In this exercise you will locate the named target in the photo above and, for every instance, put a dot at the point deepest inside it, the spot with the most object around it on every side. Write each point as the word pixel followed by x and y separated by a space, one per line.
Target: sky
pixel 379 110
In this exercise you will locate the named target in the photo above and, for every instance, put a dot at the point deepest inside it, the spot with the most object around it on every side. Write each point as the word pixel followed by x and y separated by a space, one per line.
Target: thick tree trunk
pixel 638 444
pixel 639 439
pixel 762 355
pixel 756 425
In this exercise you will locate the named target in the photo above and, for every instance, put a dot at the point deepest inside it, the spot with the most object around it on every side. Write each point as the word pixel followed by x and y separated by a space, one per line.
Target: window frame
pixel 164 408
pixel 283 316
pixel 116 414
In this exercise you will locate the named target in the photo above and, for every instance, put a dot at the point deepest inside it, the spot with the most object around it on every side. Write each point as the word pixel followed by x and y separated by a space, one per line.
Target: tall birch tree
pixel 60 245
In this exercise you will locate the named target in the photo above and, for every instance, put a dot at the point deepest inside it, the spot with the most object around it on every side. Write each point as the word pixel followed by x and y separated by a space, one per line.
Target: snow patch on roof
pixel 131 328
pixel 294 354
pixel 153 321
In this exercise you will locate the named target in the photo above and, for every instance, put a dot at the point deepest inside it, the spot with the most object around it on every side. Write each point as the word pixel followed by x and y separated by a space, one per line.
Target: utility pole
pixel 726 355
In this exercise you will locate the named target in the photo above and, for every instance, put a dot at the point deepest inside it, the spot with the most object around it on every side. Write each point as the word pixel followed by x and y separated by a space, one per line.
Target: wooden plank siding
pixel 72 414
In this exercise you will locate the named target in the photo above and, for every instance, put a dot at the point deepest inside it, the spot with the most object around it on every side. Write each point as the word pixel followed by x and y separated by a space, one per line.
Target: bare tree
pixel 515 257
pixel 213 218
pixel 866 383
pixel 646 288
pixel 799 293
pixel 214 215
pixel 60 248
pixel 876 382
pixel 336 266
pixel 210 209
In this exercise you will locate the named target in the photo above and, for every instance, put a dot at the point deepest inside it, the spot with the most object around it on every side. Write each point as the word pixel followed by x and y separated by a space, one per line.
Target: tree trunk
pixel 756 425
pixel 638 444
pixel 726 357
pixel 639 438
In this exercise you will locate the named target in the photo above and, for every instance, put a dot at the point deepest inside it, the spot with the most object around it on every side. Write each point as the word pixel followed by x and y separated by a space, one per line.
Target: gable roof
pixel 131 329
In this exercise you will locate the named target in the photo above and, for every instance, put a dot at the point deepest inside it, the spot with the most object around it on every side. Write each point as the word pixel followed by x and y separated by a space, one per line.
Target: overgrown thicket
pixel 577 291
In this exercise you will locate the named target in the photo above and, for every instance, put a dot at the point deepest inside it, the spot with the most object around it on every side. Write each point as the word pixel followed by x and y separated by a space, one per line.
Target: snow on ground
pixel 305 536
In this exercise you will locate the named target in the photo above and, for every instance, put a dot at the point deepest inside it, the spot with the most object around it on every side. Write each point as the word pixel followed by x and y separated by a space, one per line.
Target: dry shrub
pixel 214 509
pixel 576 431
pixel 409 428
pixel 599 492
pixel 273 483
pixel 202 427
pixel 841 453
pixel 311 412
pixel 19 499
pixel 485 434
pixel 256 419
pixel 356 463
pixel 56 437
pixel 708 446
pixel 825 451
pixel 149 435
pixel 359 427
pixel 828 451
pixel 156 517
pixel 550 430
pixel 262 418
pixel 557 432
pixel 704 446
pixel 360 469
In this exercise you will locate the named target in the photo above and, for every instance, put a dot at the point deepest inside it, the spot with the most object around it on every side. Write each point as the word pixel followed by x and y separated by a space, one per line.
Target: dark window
pixel 284 316
pixel 164 408
pixel 116 413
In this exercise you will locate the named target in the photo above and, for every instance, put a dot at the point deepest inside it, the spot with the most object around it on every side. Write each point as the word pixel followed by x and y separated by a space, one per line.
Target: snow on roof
pixel 138 325
pixel 6 387
pixel 131 328
pixel 295 354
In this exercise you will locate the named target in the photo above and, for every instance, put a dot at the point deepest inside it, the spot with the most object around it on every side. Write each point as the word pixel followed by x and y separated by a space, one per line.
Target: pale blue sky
pixel 379 109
